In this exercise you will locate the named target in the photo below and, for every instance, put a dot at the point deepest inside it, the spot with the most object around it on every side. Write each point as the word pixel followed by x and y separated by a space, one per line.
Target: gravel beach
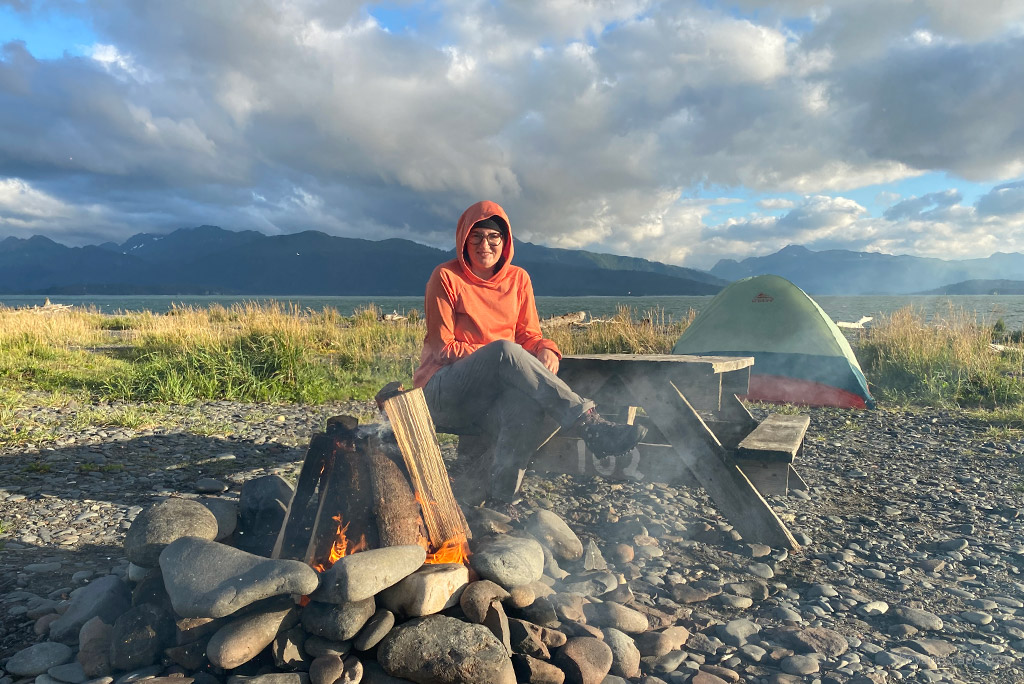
pixel 912 530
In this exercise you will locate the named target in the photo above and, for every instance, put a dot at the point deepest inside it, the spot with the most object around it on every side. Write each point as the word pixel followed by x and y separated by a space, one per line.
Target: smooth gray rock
pixel 262 506
pixel 94 647
pixel 817 640
pixel 921 619
pixel 585 660
pixel 616 616
pixel 535 670
pixel 207 579
pixel 429 590
pixel 920 659
pixel 226 513
pixel 625 654
pixel 657 644
pixel 737 632
pixel 271 678
pixel 160 524
pixel 359 576
pixel 318 646
pixel 509 561
pixel 800 665
pixel 441 650
pixel 208 485
pixel 338 622
pixel 976 617
pixel 935 648
pixel 72 673
pixel 552 531
pixel 243 638
pixel 375 629
pixel 105 598
pixel 326 669
pixel 38 658
pixel 139 636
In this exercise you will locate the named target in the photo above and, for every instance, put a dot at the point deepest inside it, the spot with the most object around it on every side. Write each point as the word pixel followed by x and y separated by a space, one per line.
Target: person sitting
pixel 486 368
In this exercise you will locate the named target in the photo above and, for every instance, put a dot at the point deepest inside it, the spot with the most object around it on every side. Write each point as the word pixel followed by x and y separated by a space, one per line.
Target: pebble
pixel 552 531
pixel 37 659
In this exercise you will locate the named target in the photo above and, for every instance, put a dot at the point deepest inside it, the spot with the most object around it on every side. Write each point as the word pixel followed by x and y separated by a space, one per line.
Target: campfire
pixel 363 569
pixel 374 486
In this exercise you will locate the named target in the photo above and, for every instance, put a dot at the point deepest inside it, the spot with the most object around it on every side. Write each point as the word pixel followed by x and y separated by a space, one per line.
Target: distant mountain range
pixel 981 287
pixel 211 260
pixel 842 272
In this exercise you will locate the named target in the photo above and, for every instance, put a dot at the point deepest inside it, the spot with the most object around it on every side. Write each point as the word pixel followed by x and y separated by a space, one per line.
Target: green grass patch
pixel 37 467
pixel 97 468
pixel 948 361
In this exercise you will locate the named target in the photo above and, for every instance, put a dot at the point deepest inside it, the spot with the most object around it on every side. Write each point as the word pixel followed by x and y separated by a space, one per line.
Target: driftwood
pixel 414 432
pixel 573 318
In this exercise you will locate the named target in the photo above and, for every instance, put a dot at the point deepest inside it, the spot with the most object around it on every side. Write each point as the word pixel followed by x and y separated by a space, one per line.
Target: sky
pixel 683 132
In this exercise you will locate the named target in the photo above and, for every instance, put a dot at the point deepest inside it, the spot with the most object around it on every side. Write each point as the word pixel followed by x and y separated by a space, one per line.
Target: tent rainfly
pixel 800 356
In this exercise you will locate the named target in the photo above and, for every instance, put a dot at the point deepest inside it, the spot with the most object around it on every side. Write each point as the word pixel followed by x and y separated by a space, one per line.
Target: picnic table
pixel 698 431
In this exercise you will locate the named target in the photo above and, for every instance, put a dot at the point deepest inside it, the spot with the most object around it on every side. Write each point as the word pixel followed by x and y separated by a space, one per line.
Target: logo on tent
pixel 762 298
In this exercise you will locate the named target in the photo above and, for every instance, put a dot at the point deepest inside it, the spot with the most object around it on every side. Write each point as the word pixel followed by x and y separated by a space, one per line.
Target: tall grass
pixel 627 332
pixel 946 361
pixel 248 352
pixel 282 353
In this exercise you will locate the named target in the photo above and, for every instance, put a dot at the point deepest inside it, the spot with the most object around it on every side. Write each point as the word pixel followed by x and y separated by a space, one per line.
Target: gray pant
pixel 504 394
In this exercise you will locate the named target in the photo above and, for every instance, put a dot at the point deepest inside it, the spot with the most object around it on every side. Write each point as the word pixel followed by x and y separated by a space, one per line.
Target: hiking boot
pixel 605 438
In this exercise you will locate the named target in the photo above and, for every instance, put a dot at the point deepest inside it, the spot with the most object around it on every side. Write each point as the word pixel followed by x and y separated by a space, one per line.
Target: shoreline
pixel 921 508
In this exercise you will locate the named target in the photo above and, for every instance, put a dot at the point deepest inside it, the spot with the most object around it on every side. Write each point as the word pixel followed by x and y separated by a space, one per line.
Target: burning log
pixel 394 501
pixel 414 432
pixel 355 492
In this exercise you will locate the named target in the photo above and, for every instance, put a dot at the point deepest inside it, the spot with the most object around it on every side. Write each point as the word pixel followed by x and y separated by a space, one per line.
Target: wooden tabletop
pixel 717 364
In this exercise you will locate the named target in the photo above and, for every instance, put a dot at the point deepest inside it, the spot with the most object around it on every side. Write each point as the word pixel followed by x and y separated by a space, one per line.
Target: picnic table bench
pixel 699 431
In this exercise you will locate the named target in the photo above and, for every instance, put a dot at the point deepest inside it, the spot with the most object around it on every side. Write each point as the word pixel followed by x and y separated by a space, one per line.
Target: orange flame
pixel 452 551
pixel 340 549
pixel 455 550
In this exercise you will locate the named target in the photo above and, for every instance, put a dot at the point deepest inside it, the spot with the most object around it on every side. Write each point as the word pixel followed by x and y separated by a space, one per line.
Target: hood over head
pixel 479 212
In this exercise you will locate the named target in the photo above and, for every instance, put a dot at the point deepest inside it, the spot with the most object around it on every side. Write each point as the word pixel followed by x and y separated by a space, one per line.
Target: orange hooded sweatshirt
pixel 465 312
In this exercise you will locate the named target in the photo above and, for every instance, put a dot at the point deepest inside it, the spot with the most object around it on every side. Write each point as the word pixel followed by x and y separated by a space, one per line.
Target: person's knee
pixel 505 349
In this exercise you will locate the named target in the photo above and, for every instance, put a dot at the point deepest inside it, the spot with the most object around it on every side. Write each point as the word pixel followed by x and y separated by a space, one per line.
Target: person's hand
pixel 549 359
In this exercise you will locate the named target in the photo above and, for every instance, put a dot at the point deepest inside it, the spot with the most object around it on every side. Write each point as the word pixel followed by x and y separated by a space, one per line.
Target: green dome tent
pixel 800 355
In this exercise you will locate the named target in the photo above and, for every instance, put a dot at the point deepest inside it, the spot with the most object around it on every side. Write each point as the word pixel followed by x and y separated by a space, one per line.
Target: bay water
pixel 987 308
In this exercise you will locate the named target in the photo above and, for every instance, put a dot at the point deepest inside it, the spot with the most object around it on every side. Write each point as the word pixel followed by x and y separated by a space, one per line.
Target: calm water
pixel 988 308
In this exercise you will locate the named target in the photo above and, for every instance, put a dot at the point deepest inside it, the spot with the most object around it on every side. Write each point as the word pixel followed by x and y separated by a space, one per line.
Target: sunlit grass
pixel 117 369
pixel 627 332
pixel 946 361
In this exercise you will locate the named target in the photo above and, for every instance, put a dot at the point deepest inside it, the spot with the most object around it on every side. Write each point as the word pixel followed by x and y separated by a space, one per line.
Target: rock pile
pixel 194 606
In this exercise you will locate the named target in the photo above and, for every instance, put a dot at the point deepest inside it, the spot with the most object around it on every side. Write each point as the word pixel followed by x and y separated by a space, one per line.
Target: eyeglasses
pixel 493 239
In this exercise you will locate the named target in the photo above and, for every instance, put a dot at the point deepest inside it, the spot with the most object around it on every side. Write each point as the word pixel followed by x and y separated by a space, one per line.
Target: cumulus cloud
pixel 590 122
pixel 775 203
pixel 1004 200
pixel 933 225
pixel 916 206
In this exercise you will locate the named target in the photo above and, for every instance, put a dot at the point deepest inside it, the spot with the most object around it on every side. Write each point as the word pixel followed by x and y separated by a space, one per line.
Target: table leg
pixel 701 452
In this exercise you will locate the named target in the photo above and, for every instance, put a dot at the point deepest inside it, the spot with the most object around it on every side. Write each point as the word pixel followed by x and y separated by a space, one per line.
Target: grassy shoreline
pixel 284 354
